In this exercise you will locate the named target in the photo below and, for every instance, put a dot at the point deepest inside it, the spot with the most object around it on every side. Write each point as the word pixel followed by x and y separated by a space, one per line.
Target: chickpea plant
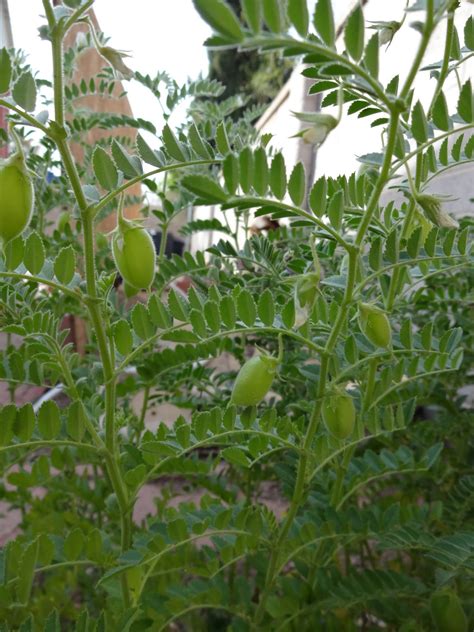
pixel 370 520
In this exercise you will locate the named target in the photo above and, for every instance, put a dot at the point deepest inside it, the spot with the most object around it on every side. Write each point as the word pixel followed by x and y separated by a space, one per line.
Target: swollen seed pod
pixel 254 380
pixel 375 324
pixel 134 253
pixel 339 414
pixel 16 197
pixel 447 612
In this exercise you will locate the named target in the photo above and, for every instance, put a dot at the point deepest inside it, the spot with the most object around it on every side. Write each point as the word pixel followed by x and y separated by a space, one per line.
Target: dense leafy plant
pixel 322 504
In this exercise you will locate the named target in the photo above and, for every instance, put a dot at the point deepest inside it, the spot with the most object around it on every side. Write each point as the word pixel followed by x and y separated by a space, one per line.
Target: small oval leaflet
pixel 104 169
pixel 212 315
pixel 65 265
pixel 228 312
pixel 141 322
pixel 246 307
pixel 76 421
pixel 266 308
pixel 24 91
pixel 7 415
pixel 73 544
pixel 25 422
pixel 14 251
pixel 122 337
pixel 49 420
pixel 34 254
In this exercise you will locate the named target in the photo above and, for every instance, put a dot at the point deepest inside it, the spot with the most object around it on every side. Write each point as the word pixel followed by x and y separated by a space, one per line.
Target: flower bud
pixel 115 59
pixel 434 211
pixel 387 32
pixel 321 126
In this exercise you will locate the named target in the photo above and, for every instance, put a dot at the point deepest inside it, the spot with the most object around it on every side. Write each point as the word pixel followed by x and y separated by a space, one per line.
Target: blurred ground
pixel 145 506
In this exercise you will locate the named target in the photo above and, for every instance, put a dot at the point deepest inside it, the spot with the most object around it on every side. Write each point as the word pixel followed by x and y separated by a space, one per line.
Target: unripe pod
pixel 447 612
pixel 339 414
pixel 254 380
pixel 134 254
pixel 16 198
pixel 307 288
pixel 64 220
pixel 375 325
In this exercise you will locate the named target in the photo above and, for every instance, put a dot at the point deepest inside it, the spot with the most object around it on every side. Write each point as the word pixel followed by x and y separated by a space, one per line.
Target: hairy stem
pixel 92 300
pixel 299 489
pixel 445 67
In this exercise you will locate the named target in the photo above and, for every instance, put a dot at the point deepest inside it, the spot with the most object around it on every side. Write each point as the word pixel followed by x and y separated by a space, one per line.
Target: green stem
pixel 78 13
pixel 219 439
pixel 32 445
pixel 230 332
pixel 129 183
pixel 425 38
pixel 164 239
pixel 256 201
pixel 458 130
pixel 445 66
pixel 93 300
pixel 146 397
pixel 405 262
pixel 338 485
pixel 382 179
pixel 414 186
pixel 74 393
pixel 24 115
pixel 49 11
pixel 299 488
pixel 313 47
pixel 298 492
pixel 369 388
pixel 36 279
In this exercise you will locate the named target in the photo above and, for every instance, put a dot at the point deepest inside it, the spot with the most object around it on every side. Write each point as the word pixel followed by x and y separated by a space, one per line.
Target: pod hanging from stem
pixel 17 193
pixel 134 254
pixel 255 377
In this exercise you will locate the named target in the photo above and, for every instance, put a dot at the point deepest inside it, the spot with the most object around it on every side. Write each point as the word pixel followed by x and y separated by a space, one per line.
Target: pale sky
pixel 159 34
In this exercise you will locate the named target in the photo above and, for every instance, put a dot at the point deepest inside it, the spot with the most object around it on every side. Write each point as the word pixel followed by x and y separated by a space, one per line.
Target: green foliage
pixel 264 517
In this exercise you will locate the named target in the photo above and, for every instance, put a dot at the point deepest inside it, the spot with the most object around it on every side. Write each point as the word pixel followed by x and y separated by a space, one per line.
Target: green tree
pixel 249 73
